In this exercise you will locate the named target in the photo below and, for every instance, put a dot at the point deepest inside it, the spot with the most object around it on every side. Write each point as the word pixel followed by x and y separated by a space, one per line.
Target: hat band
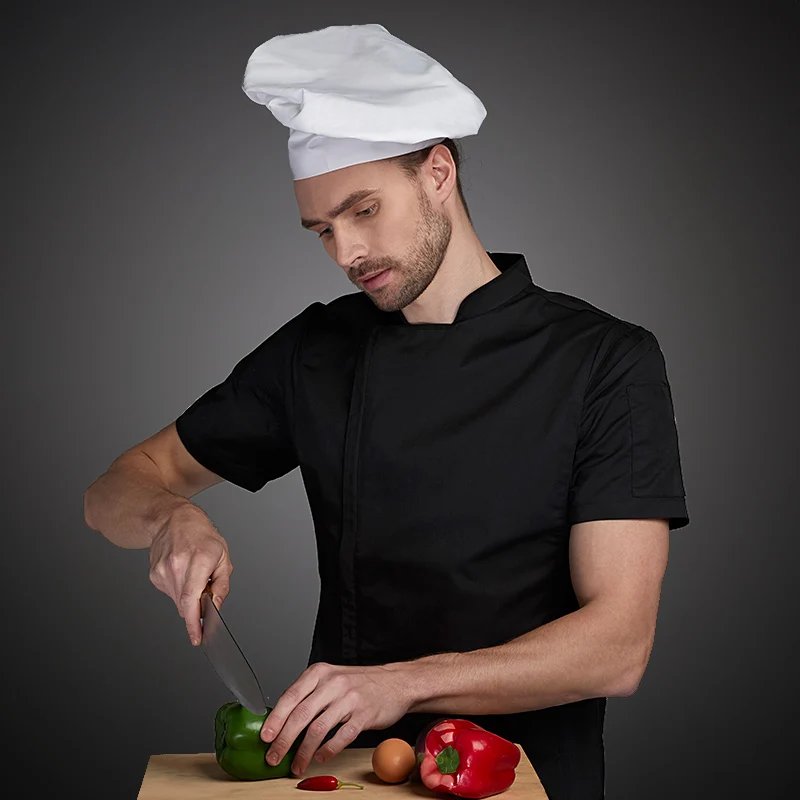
pixel 311 154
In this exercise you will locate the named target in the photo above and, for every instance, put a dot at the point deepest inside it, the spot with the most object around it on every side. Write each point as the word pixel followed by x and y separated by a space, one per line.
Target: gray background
pixel 642 156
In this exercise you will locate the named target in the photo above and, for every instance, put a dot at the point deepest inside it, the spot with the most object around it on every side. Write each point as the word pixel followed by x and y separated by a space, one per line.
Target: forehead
pixel 318 195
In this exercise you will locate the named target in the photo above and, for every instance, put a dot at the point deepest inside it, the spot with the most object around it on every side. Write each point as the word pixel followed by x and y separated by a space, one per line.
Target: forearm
pixel 130 502
pixel 584 654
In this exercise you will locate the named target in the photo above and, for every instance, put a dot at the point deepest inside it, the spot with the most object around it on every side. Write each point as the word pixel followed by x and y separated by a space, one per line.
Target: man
pixel 492 467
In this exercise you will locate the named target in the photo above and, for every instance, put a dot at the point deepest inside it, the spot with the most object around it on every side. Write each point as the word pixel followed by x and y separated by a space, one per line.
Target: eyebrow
pixel 348 202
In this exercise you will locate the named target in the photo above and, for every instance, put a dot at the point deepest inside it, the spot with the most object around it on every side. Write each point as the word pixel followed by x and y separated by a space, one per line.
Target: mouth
pixel 375 279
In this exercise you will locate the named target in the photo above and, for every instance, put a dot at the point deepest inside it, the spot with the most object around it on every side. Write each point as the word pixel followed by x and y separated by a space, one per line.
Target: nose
pixel 350 251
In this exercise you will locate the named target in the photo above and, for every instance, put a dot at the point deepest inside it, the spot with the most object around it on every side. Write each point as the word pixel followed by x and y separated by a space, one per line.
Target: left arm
pixel 600 650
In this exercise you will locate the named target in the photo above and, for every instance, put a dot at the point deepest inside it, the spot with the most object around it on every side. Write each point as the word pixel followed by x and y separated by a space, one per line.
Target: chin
pixel 387 304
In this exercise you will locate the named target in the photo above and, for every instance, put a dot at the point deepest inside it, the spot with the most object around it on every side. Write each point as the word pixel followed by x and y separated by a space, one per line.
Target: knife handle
pixel 206 590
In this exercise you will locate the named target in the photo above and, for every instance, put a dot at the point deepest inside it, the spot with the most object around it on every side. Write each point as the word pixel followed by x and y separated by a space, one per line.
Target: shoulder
pixel 317 318
pixel 318 322
pixel 609 347
pixel 602 332
pixel 579 311
pixel 354 308
pixel 346 315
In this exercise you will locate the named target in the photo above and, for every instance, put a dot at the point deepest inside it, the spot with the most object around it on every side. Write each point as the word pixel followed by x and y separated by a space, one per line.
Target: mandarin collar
pixel 514 278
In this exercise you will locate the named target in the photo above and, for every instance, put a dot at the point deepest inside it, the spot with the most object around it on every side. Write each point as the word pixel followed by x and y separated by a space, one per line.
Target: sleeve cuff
pixel 195 449
pixel 673 509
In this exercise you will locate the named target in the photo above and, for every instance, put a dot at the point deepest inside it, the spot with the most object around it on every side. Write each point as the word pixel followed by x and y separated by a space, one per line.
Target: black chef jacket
pixel 444 465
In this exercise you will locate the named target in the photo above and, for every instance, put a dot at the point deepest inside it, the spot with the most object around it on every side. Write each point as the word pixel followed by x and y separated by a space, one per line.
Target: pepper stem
pixel 345 783
pixel 448 760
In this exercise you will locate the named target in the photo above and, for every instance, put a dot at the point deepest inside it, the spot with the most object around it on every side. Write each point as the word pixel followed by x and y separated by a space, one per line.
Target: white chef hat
pixel 354 93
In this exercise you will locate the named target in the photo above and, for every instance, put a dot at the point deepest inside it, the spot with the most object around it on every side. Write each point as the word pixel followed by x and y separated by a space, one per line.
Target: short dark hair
pixel 411 162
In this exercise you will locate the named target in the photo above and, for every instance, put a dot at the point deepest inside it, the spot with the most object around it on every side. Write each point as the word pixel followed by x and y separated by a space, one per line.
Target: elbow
pixel 629 673
pixel 87 508
pixel 626 684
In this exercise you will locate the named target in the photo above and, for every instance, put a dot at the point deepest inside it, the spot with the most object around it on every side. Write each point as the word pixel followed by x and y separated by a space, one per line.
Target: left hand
pixel 364 698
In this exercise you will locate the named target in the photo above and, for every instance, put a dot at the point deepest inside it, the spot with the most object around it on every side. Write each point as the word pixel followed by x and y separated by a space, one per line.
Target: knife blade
pixel 226 657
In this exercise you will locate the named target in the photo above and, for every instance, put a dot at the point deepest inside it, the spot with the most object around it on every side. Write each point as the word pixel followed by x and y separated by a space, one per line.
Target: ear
pixel 439 173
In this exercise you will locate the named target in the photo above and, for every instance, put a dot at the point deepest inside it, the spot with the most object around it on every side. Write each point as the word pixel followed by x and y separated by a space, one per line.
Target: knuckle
pixel 350 731
pixel 158 569
pixel 318 728
pixel 292 694
pixel 303 712
pixel 306 752
pixel 186 598
pixel 174 562
pixel 351 695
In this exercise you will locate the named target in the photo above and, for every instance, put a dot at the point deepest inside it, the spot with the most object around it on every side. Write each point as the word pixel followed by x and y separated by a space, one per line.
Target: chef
pixel 492 467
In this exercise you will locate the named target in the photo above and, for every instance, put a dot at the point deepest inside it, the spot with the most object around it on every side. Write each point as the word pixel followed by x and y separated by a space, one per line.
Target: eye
pixel 367 212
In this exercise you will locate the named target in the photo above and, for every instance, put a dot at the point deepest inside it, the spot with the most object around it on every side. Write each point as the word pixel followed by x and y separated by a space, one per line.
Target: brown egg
pixel 393 760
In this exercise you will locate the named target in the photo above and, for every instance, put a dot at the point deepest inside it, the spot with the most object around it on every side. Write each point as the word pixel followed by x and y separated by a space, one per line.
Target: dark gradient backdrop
pixel 643 156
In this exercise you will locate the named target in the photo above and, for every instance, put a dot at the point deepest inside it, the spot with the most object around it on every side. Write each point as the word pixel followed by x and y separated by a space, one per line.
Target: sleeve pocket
pixel 655 457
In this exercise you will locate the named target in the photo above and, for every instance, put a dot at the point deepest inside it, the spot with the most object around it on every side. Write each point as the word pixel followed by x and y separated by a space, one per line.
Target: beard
pixel 415 271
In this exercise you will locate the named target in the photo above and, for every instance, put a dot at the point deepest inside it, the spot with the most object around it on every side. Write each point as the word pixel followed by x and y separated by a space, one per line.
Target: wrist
pixel 169 511
pixel 426 680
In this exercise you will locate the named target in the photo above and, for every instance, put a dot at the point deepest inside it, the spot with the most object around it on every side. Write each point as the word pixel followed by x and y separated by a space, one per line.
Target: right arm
pixel 142 501
pixel 143 498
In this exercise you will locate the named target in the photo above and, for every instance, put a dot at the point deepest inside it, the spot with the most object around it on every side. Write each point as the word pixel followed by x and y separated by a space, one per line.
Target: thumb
pixel 220 589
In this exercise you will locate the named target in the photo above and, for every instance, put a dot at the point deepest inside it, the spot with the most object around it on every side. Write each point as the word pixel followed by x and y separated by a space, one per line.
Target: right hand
pixel 185 553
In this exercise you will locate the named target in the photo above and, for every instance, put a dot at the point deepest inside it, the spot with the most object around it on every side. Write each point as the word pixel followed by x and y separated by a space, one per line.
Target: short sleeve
pixel 240 429
pixel 627 459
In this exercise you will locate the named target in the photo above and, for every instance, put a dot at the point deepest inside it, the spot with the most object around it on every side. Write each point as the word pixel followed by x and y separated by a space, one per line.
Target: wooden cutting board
pixel 197 776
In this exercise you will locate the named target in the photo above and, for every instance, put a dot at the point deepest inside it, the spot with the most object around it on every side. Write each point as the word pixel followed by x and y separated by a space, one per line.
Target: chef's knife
pixel 227 659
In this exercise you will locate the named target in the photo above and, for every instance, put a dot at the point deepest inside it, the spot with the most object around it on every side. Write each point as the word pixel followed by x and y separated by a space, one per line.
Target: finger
pixel 317 731
pixel 221 584
pixel 288 701
pixel 295 709
pixel 196 580
pixel 298 727
pixel 344 737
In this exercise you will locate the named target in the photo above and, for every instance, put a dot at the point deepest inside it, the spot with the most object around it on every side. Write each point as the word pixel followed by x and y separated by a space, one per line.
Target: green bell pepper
pixel 240 750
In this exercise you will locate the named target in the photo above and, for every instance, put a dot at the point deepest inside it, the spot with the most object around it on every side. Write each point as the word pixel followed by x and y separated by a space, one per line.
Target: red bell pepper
pixel 456 756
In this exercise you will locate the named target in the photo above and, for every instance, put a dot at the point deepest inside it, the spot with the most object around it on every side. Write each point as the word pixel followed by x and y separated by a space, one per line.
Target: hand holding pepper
pixel 325 695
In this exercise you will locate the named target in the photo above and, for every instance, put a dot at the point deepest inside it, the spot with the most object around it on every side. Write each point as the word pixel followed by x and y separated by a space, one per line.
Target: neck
pixel 465 268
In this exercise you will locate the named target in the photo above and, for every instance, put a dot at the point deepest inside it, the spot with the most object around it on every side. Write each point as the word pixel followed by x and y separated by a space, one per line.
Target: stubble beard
pixel 414 273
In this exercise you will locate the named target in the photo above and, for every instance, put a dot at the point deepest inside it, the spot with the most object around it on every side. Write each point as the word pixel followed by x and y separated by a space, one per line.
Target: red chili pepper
pixel 456 756
pixel 324 783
